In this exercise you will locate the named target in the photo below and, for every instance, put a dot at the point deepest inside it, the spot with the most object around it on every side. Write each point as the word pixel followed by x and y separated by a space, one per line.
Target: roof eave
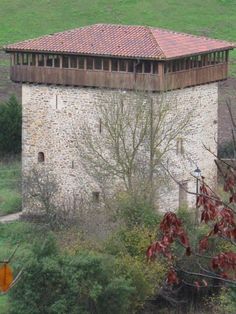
pixel 81 53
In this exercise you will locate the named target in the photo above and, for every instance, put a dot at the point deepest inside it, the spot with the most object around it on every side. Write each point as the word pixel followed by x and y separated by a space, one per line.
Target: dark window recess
pixel 155 68
pixel 18 59
pixel 56 61
pixel 166 68
pixel 65 62
pixel 41 157
pixel 49 62
pixel 122 65
pixel 25 59
pixel 98 64
pixel 100 125
pixel 73 61
pixel 89 63
pixel 204 57
pixel 182 64
pixel 195 61
pixel 114 65
pixel 147 67
pixel 106 64
pixel 139 67
pixel 187 64
pixel 96 197
pixel 40 60
pixel 130 66
pixel 199 61
pixel 81 63
pixel 32 60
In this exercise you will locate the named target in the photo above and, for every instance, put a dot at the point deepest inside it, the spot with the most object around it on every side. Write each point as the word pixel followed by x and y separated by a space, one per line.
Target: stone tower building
pixel 66 76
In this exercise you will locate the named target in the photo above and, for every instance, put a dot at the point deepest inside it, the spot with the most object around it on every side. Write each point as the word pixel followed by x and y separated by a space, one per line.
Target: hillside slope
pixel 30 18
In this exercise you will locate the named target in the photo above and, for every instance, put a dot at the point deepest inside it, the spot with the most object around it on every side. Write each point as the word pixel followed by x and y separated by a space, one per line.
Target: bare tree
pixel 42 195
pixel 136 133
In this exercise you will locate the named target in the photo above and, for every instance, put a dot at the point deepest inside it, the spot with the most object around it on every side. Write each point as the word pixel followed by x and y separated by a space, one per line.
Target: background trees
pixel 10 127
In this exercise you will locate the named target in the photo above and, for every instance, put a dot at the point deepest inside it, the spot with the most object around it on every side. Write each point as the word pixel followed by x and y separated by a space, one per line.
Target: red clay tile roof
pixel 122 41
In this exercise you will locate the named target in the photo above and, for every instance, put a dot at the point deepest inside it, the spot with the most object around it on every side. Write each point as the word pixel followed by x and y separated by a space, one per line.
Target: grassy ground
pixel 30 18
pixel 10 198
pixel 4 304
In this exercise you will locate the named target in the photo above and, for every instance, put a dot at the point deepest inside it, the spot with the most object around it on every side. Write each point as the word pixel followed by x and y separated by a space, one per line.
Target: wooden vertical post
pixel 36 60
pixel 161 75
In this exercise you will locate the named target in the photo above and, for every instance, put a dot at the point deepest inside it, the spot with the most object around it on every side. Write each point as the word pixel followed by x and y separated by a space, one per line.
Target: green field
pixel 30 18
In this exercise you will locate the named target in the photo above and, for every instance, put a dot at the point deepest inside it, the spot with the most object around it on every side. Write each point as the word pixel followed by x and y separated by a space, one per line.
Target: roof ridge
pixel 154 39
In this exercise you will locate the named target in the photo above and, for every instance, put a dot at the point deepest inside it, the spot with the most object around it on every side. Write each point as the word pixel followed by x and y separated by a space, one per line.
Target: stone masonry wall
pixel 53 114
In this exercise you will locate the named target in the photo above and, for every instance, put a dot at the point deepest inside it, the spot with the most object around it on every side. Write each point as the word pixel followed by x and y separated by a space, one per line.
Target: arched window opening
pixel 41 157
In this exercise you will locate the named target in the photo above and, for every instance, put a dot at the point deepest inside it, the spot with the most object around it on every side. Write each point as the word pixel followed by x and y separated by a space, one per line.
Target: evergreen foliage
pixel 10 127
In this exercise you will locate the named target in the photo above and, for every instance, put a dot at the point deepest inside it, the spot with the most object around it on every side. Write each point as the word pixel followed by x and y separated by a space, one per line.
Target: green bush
pixel 136 211
pixel 223 302
pixel 57 283
pixel 129 246
pixel 10 127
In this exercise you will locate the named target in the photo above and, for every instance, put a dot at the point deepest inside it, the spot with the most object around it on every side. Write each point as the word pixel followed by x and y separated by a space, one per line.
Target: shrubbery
pixel 81 283
pixel 112 278
pixel 10 127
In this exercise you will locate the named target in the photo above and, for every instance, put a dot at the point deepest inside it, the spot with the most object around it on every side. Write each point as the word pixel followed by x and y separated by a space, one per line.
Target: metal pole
pixel 196 210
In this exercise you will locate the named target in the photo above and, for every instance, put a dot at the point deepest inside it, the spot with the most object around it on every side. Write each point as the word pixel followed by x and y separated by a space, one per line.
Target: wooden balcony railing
pixel 121 80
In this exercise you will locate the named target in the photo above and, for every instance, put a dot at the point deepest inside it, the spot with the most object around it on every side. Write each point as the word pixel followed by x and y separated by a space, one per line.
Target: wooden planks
pixel 122 80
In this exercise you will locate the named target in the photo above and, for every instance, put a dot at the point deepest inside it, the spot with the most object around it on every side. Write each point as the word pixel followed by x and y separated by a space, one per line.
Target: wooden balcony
pixel 121 80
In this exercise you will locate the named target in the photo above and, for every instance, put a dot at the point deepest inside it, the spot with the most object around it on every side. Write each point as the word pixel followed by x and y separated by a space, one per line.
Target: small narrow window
pixel 81 63
pixel 155 68
pixel 147 67
pixel 89 63
pixel 56 101
pixel 65 62
pixel 139 67
pixel 96 197
pixel 122 65
pixel 18 57
pixel 57 61
pixel 98 64
pixel 199 61
pixel 100 126
pixel 130 66
pixel 32 59
pixel 49 61
pixel 73 164
pixel 222 56
pixel 41 157
pixel 73 62
pixel 106 64
pixel 40 60
pixel 166 67
pixel 182 64
pixel 114 65
pixel 25 59
pixel 179 146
